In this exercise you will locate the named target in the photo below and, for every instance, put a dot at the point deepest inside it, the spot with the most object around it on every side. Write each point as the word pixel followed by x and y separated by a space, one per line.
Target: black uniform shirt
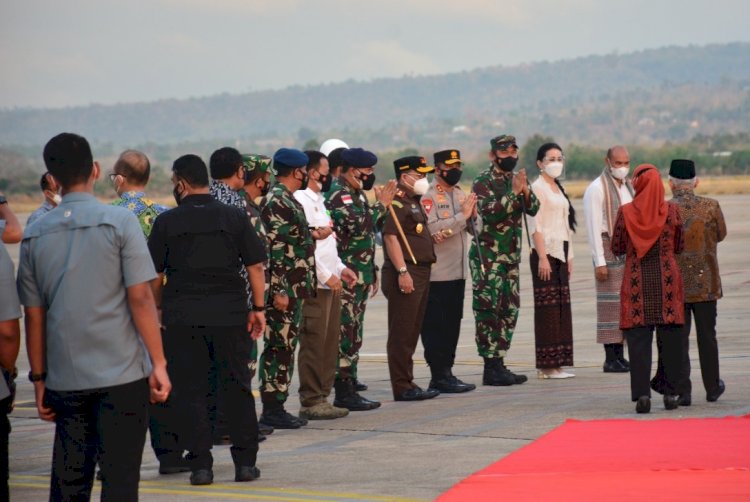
pixel 200 246
pixel 414 224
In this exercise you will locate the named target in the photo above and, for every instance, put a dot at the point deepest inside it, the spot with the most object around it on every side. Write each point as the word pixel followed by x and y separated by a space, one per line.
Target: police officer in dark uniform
pixel 409 254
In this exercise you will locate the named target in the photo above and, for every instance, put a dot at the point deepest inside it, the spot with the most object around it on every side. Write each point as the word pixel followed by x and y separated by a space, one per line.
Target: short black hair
pixel 335 160
pixel 134 166
pixel 283 170
pixel 315 157
pixel 224 162
pixel 192 169
pixel 69 159
pixel 44 182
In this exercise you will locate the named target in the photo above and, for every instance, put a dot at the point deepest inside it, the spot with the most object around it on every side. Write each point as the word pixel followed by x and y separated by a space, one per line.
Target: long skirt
pixel 608 298
pixel 553 321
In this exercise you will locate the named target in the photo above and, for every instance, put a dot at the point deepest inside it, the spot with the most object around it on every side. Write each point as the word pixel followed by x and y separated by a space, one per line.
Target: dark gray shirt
pixel 77 262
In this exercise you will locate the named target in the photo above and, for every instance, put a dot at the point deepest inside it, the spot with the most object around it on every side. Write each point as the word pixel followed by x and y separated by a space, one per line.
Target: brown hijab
pixel 646 216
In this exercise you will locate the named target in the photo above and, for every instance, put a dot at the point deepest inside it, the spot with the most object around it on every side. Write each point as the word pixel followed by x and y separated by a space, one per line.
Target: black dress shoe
pixel 278 418
pixel 451 385
pixel 686 400
pixel 265 429
pixel 359 386
pixel 614 366
pixel 624 363
pixel 202 477
pixel 671 402
pixel 246 472
pixel 173 464
pixel 417 394
pixel 643 405
pixel 716 393
pixel 355 402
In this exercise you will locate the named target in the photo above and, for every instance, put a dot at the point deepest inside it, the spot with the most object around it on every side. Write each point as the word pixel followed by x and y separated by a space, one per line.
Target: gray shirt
pixel 77 262
pixel 444 215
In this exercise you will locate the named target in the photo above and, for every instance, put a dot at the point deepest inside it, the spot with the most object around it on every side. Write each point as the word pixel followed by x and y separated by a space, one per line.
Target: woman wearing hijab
pixel 551 265
pixel 649 232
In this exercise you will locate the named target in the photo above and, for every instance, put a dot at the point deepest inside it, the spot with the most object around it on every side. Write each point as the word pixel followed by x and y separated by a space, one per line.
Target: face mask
pixel 265 189
pixel 452 176
pixel 368 181
pixel 620 172
pixel 325 182
pixel 554 169
pixel 304 181
pixel 421 186
pixel 176 194
pixel 57 198
pixel 507 164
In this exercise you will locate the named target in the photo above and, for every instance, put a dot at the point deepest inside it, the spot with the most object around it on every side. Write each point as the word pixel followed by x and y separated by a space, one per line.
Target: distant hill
pixel 652 96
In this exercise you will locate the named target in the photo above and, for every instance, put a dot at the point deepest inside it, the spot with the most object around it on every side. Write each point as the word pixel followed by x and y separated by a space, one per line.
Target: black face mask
pixel 452 176
pixel 507 164
pixel 304 181
pixel 325 182
pixel 176 194
pixel 368 181
pixel 265 189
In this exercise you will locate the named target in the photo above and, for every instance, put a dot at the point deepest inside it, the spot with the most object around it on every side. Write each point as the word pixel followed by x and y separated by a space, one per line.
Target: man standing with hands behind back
pixel 88 341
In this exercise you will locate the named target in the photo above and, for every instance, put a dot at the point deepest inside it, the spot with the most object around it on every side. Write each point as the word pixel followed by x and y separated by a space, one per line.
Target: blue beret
pixel 289 157
pixel 358 157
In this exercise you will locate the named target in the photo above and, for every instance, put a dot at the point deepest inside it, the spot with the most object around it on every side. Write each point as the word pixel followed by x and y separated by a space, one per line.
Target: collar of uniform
pixel 348 187
pixel 77 197
pixel 682 192
pixel 197 199
pixel 312 195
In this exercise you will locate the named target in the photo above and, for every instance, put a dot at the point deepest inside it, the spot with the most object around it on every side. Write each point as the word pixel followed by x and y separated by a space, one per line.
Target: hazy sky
pixel 73 52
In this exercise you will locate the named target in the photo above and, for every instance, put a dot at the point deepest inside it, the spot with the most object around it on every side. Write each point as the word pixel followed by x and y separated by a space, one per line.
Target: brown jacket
pixel 703 227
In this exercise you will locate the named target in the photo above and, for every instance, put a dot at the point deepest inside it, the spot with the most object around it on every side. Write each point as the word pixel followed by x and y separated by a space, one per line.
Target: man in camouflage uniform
pixel 502 198
pixel 292 269
pixel 354 222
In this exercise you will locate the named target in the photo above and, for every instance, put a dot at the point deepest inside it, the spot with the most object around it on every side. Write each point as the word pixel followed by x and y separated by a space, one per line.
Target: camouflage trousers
pixel 277 360
pixel 353 304
pixel 495 301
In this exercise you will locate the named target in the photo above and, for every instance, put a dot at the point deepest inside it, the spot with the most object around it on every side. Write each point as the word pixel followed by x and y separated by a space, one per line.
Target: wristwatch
pixel 257 308
pixel 402 271
pixel 37 377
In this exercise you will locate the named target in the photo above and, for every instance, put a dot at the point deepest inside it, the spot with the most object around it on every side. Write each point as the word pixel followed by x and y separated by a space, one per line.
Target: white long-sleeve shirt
pixel 327 261
pixel 596 224
pixel 551 220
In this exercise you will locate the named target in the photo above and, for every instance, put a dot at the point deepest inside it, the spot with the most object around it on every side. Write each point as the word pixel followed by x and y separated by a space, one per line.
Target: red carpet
pixel 614 460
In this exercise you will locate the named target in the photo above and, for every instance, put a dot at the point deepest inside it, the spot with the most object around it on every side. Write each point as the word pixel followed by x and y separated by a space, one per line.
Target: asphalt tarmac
pixel 416 451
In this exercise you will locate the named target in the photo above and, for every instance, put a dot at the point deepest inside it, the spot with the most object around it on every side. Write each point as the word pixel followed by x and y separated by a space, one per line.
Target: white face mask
pixel 421 186
pixel 620 172
pixel 57 199
pixel 554 169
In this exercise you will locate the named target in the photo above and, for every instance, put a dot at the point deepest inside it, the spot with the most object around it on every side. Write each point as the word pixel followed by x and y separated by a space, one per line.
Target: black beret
pixel 358 157
pixel 289 157
pixel 682 169
pixel 447 157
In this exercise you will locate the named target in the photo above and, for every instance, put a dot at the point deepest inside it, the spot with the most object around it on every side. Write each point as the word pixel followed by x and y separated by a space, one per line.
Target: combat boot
pixel 496 374
pixel 347 397
pixel 517 379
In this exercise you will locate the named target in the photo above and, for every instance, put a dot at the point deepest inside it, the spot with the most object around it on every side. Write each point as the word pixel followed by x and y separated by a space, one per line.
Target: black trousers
pixel 442 323
pixel 640 341
pixel 708 348
pixel 4 464
pixel 107 424
pixel 191 352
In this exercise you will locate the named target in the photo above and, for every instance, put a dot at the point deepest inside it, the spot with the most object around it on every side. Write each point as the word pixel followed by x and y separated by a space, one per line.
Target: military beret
pixel 255 163
pixel 503 142
pixel 358 157
pixel 447 157
pixel 682 169
pixel 413 162
pixel 289 157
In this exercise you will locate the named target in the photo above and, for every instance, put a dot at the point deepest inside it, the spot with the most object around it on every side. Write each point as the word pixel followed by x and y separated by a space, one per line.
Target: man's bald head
pixel 617 151
pixel 134 166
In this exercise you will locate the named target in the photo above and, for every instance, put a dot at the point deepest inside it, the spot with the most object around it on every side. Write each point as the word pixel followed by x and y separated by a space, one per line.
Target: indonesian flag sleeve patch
pixel 346 199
